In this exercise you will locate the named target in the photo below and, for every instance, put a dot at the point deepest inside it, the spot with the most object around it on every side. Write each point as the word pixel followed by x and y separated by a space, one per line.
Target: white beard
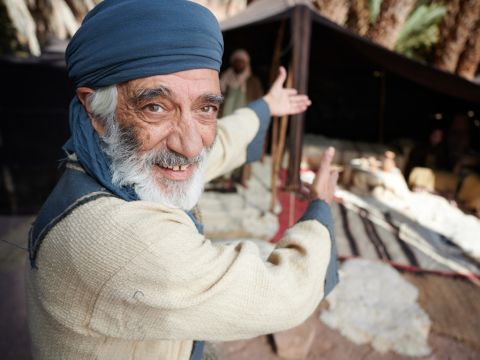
pixel 129 168
pixel 177 194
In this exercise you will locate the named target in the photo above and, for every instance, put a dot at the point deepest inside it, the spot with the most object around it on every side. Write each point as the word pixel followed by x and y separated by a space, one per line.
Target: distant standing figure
pixel 238 84
pixel 239 87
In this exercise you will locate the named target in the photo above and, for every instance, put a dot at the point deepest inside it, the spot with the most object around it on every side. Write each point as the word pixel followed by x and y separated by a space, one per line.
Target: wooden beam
pixel 281 135
pixel 301 26
pixel 276 62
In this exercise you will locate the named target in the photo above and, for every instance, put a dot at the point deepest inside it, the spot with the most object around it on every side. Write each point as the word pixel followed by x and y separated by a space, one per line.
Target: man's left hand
pixel 282 101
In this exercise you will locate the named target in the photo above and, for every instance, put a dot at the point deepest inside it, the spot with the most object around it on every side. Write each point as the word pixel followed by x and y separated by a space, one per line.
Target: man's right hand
pixel 325 182
pixel 284 101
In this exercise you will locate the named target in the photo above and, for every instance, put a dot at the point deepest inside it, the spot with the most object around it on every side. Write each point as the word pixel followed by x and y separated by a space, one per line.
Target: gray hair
pixel 103 102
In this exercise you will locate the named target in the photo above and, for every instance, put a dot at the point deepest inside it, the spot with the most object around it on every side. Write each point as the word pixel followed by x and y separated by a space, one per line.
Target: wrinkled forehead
pixel 188 85
pixel 131 39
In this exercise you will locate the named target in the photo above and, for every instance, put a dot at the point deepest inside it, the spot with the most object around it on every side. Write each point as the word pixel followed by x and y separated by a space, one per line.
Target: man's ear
pixel 82 94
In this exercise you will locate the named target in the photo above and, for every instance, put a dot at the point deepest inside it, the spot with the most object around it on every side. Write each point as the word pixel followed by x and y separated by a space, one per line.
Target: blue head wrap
pixel 130 39
pixel 121 40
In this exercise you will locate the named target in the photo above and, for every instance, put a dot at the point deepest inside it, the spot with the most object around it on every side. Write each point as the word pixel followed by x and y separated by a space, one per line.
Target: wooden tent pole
pixel 277 52
pixel 291 209
pixel 273 190
pixel 279 148
pixel 283 128
pixel 273 73
pixel 274 140
pixel 301 24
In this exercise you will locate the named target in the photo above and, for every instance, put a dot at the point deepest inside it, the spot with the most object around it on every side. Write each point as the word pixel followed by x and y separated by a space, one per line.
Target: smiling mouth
pixel 176 168
pixel 177 172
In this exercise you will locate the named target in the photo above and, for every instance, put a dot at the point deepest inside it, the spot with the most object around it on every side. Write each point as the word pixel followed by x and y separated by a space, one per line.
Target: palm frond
pixel 421 31
pixel 374 6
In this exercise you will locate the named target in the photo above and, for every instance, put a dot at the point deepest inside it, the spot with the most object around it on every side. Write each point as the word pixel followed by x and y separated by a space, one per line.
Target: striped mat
pixel 368 232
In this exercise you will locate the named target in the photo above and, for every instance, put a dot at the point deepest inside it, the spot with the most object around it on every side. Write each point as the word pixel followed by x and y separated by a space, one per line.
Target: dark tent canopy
pixel 350 78
pixel 34 126
pixel 359 89
pixel 263 12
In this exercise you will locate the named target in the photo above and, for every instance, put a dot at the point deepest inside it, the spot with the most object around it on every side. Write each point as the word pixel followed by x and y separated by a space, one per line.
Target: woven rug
pixel 436 266
pixel 374 232
pixel 366 231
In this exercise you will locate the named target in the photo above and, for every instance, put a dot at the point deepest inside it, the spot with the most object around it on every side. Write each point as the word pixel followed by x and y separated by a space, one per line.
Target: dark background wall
pixel 34 102
pixel 346 86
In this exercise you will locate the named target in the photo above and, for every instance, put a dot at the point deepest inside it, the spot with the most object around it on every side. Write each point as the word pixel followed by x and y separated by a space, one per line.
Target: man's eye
pixel 154 108
pixel 209 109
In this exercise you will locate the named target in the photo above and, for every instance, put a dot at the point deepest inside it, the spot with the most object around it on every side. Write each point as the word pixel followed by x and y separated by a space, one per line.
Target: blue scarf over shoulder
pixel 121 40
pixel 85 143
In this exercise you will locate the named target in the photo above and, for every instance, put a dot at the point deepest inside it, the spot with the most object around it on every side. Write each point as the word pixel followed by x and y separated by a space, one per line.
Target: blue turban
pixel 122 40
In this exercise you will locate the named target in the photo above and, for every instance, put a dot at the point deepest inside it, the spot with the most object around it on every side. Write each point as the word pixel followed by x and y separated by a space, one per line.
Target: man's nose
pixel 187 139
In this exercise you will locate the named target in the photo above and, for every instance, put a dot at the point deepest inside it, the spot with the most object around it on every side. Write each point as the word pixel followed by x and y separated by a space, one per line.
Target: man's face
pixel 239 65
pixel 172 119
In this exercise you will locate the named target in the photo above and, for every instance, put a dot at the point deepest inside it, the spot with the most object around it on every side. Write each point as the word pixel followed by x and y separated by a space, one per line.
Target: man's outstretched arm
pixel 182 286
pixel 241 135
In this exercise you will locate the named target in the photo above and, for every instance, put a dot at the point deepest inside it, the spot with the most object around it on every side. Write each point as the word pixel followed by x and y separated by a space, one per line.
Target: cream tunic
pixel 135 280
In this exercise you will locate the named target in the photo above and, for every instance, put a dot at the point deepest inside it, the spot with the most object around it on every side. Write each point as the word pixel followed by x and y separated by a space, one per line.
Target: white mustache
pixel 170 159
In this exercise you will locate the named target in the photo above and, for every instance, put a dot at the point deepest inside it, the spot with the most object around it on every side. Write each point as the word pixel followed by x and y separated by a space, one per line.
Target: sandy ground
pixel 330 345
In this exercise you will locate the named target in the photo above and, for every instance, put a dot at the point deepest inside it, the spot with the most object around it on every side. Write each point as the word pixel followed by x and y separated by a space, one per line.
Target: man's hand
pixel 283 101
pixel 325 182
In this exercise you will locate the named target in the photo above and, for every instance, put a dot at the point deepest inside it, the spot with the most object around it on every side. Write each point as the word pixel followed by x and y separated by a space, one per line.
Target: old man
pixel 119 268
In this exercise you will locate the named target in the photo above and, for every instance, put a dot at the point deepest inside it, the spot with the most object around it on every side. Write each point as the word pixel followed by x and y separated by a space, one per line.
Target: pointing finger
pixel 327 156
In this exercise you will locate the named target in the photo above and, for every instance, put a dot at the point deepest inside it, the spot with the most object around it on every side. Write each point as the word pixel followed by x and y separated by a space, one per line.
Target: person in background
pixel 239 86
pixel 448 164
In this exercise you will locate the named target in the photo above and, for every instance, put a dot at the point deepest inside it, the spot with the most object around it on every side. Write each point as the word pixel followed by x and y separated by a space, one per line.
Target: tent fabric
pixel 269 11
pixel 261 10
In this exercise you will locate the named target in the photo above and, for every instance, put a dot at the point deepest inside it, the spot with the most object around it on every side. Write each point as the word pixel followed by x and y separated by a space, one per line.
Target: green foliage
pixel 374 7
pixel 421 31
